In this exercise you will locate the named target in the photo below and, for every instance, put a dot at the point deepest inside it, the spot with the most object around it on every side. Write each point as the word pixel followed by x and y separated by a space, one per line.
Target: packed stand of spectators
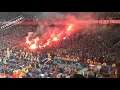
pixel 24 64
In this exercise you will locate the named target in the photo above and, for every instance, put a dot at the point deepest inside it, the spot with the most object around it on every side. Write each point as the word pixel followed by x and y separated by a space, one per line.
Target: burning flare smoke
pixel 55 27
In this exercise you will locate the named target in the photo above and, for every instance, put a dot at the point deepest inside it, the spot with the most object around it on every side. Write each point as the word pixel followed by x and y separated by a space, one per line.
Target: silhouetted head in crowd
pixel 78 76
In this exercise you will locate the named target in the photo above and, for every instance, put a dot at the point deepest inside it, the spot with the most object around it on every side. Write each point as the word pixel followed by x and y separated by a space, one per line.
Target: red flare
pixel 64 37
pixel 27 40
pixel 70 27
pixel 55 39
pixel 33 46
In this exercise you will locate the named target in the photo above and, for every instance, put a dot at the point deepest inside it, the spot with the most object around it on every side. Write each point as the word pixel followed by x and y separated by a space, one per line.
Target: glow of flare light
pixel 55 39
pixel 70 27
pixel 33 46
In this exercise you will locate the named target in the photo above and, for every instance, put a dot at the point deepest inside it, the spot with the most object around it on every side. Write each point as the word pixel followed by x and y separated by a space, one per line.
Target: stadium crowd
pixel 22 64
pixel 89 53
